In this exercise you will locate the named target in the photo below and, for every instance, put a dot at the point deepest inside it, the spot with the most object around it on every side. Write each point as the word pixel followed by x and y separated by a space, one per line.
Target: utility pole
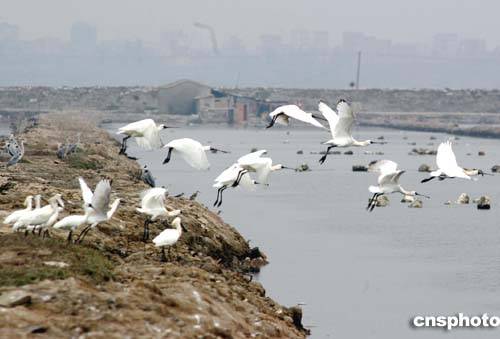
pixel 358 70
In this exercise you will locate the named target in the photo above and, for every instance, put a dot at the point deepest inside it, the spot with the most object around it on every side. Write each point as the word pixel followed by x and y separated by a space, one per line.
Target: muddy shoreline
pixel 113 285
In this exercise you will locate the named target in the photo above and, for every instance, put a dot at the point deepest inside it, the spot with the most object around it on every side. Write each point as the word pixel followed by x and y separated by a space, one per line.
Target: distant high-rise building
pixel 472 48
pixel 445 45
pixel 83 36
pixel 271 44
pixel 300 39
pixel 8 32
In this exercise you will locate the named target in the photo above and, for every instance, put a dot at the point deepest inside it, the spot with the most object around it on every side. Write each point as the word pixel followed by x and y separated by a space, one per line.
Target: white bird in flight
pixel 388 181
pixel 192 151
pixel 341 127
pixel 153 205
pixel 283 114
pixel 262 166
pixel 232 176
pixel 96 204
pixel 169 237
pixel 145 132
pixel 446 162
pixel 14 216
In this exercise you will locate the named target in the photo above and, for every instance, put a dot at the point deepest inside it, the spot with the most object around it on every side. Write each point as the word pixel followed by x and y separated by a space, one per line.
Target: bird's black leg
pixel 238 178
pixel 39 231
pixel 70 234
pixel 220 201
pixel 271 124
pixel 145 234
pixel 371 201
pixel 427 179
pixel 123 147
pixel 217 200
pixel 167 159
pixel 85 234
pixel 323 158
pixel 163 257
pixel 374 204
pixel 80 236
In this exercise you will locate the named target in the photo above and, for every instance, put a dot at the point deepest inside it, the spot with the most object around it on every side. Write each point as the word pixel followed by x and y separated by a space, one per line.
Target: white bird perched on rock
pixel 448 166
pixel 283 114
pixel 14 216
pixel 192 151
pixel 97 205
pixel 169 237
pixel 232 176
pixel 153 205
pixel 145 132
pixel 388 181
pixel 40 216
pixel 262 166
pixel 341 127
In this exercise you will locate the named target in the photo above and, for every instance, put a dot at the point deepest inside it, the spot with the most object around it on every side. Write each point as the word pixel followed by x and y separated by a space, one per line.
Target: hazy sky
pixel 399 20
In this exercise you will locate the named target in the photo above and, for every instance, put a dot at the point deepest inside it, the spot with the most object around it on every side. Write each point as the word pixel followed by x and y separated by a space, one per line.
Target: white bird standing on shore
pixel 153 205
pixel 341 127
pixel 145 132
pixel 388 181
pixel 38 217
pixel 232 176
pixel 71 223
pixel 14 216
pixel 192 151
pixel 262 166
pixel 446 162
pixel 169 237
pixel 96 204
pixel 283 114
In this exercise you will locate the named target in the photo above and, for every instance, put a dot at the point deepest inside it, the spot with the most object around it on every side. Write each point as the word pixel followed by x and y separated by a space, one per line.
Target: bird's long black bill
pixel 426 180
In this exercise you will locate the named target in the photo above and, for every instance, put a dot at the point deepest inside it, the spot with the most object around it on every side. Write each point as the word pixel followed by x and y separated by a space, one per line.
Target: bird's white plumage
pixel 153 203
pixel 262 166
pixel 229 176
pixel 14 216
pixel 192 151
pixel 71 222
pixel 145 132
pixel 86 191
pixel 39 216
pixel 293 111
pixel 329 114
pixel 343 128
pixel 169 236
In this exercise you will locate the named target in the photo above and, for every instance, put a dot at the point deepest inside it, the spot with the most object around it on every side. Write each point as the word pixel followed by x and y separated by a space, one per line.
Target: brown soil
pixel 114 285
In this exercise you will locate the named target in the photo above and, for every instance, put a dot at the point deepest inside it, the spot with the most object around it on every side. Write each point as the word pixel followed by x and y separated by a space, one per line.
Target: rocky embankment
pixel 114 285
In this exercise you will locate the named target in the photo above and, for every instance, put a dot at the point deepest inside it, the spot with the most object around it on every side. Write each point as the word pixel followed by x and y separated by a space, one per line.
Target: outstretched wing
pixel 329 115
pixel 293 111
pixel 86 192
pixel 383 166
pixel 445 158
pixel 390 178
pixel 191 151
pixel 343 128
pixel 250 158
pixel 100 199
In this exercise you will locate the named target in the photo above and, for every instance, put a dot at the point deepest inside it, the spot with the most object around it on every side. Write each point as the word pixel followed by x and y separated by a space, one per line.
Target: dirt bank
pixel 113 285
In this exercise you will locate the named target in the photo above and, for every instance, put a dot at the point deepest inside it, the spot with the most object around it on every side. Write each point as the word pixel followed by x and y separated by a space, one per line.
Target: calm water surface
pixel 359 274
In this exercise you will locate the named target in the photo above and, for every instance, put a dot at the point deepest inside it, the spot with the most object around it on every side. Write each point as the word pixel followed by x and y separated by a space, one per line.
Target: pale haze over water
pixel 359 274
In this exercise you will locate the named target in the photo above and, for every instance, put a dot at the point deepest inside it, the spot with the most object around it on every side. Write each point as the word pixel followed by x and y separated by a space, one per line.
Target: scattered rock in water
pixel 424 168
pixel 382 201
pixel 423 151
pixel 348 153
pixel 302 168
pixel 463 199
pixel 469 154
pixel 300 151
pixel 14 298
pixel 416 204
pixel 405 138
pixel 484 203
pixel 254 149
pixel 432 137
pixel 481 153
pixel 381 137
pixel 296 314
pixel 448 202
pixel 408 198
pixel 359 168
pixel 496 169
pixel 413 143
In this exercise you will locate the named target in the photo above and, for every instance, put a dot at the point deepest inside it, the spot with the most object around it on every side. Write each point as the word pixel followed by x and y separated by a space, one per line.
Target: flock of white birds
pixel 248 170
